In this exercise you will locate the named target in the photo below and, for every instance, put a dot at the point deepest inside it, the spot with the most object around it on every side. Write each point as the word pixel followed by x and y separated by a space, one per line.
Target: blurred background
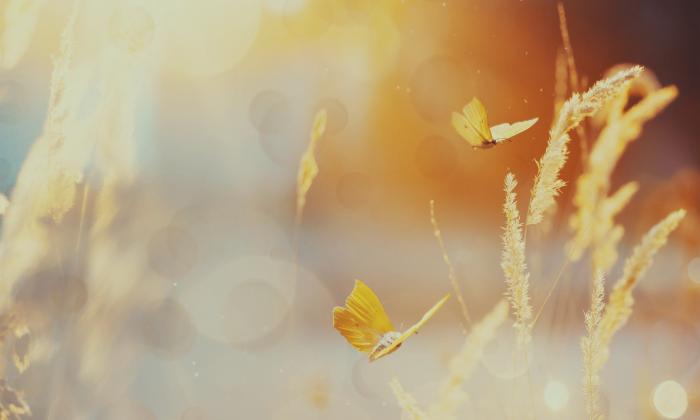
pixel 220 309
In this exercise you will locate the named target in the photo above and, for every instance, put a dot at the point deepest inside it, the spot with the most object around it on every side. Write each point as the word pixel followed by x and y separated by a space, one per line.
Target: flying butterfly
pixel 473 125
pixel 366 326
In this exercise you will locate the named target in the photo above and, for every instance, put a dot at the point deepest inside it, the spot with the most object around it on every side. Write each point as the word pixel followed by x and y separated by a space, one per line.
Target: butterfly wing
pixel 473 124
pixel 505 131
pixel 363 320
pixel 410 331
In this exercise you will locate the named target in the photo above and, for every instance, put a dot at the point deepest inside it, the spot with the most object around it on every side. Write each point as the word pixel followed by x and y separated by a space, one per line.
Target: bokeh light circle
pixel 166 328
pixel 436 157
pixel 245 302
pixel 203 39
pixel 556 395
pixel 262 104
pixel 284 133
pixel 255 311
pixel 172 251
pixel 670 399
pixel 694 270
pixel 224 230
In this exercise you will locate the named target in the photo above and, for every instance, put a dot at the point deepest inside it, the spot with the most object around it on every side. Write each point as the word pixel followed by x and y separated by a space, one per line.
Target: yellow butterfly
pixel 473 125
pixel 367 327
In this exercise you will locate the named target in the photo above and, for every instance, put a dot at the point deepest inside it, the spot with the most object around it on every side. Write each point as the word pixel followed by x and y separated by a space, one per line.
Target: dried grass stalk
pixel 593 185
pixel 547 183
pixel 513 264
pixel 450 268
pixel 620 303
pixel 591 349
pixel 608 234
pixel 308 168
pixel 463 364
pixel 406 401
pixel 566 40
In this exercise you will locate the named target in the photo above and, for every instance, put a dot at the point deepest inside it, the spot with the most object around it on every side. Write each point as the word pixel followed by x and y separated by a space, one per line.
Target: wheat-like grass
pixel 591 348
pixel 547 183
pixel 406 401
pixel 593 185
pixel 608 234
pixel 308 168
pixel 513 264
pixel 620 303
pixel 463 364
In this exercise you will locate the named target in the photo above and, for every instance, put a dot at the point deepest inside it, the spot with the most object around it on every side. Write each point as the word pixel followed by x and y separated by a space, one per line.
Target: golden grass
pixel 406 401
pixel 450 268
pixel 603 321
pixel 619 305
pixel 308 168
pixel 463 364
pixel 547 184
pixel 54 194
pixel 593 185
pixel 591 349
pixel 513 264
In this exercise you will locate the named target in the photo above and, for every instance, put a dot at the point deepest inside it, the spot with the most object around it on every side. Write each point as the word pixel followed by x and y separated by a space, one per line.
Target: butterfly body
pixel 386 341
pixel 366 326
pixel 472 125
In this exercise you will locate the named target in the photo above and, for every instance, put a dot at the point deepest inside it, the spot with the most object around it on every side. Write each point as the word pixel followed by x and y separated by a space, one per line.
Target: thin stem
pixel 451 271
pixel 551 290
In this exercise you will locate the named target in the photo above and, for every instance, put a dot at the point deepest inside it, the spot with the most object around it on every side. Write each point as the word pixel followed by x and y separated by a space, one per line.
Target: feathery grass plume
pixel 450 268
pixel 547 183
pixel 513 264
pixel 591 349
pixel 463 364
pixel 406 401
pixel 608 234
pixel 615 137
pixel 308 169
pixel 593 185
pixel 580 106
pixel 619 306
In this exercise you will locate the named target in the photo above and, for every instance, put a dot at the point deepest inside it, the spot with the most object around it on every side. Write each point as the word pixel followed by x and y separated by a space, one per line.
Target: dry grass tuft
pixel 591 349
pixel 593 185
pixel 450 268
pixel 513 264
pixel 406 401
pixel 463 364
pixel 547 183
pixel 619 305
